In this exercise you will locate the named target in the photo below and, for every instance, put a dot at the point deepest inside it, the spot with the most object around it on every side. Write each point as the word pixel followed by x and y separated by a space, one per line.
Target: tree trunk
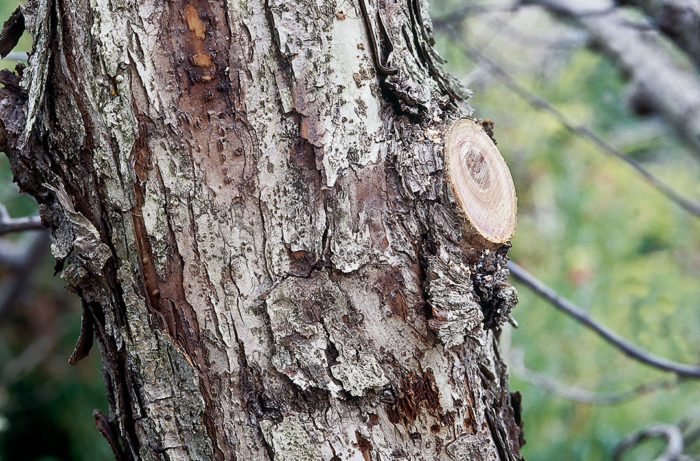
pixel 252 200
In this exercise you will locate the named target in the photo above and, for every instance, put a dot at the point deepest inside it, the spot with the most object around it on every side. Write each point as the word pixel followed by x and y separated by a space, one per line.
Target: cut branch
pixel 580 130
pixel 481 181
pixel 608 335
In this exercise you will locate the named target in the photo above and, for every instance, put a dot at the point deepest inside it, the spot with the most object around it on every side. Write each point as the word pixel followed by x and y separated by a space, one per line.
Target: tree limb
pixel 519 369
pixel 672 434
pixel 679 20
pixel 20 224
pixel 11 32
pixel 566 306
pixel 529 38
pixel 8 224
pixel 669 88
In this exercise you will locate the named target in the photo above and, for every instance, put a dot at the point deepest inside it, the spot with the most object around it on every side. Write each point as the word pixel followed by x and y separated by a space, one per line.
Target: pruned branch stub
pixel 481 181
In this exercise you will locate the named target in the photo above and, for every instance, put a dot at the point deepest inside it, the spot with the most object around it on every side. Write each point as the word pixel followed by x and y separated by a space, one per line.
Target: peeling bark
pixel 257 218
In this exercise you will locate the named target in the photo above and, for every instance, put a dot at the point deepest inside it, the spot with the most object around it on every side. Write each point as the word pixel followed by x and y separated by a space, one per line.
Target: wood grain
pixel 481 181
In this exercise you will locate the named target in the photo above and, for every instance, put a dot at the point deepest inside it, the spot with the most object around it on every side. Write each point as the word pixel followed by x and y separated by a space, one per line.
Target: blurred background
pixel 568 87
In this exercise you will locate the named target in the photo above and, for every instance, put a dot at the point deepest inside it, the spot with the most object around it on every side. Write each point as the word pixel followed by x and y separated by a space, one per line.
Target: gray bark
pixel 250 199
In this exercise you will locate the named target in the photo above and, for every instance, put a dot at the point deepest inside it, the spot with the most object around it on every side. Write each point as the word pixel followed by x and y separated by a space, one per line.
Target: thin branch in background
pixel 458 15
pixel 582 12
pixel 503 26
pixel 534 40
pixel 679 20
pixel 16 56
pixel 672 434
pixel 8 224
pixel 580 130
pixel 569 308
pixel 671 88
pixel 519 369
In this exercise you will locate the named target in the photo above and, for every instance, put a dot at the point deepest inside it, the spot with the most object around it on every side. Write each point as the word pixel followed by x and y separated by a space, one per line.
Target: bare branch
pixel 670 89
pixel 569 308
pixel 8 224
pixel 583 131
pixel 672 434
pixel 529 38
pixel 458 15
pixel 16 56
pixel 20 224
pixel 519 369
pixel 679 20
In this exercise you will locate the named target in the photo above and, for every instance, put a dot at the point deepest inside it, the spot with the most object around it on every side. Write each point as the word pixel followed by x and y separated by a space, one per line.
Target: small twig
pixel 506 28
pixel 672 434
pixel 583 131
pixel 16 56
pixel 8 224
pixel 517 366
pixel 20 224
pixel 611 337
pixel 460 14
pixel 561 9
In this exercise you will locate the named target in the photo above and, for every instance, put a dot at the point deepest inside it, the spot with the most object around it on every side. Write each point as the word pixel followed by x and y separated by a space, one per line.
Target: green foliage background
pixel 588 227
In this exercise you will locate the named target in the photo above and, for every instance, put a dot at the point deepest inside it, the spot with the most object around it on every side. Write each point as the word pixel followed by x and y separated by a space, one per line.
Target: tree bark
pixel 251 200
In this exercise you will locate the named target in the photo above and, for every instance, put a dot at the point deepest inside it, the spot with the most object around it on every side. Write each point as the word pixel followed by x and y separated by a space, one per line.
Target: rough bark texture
pixel 250 199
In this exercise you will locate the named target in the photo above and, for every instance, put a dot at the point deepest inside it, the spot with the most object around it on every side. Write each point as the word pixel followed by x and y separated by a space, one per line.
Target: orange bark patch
pixel 201 60
pixel 193 22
